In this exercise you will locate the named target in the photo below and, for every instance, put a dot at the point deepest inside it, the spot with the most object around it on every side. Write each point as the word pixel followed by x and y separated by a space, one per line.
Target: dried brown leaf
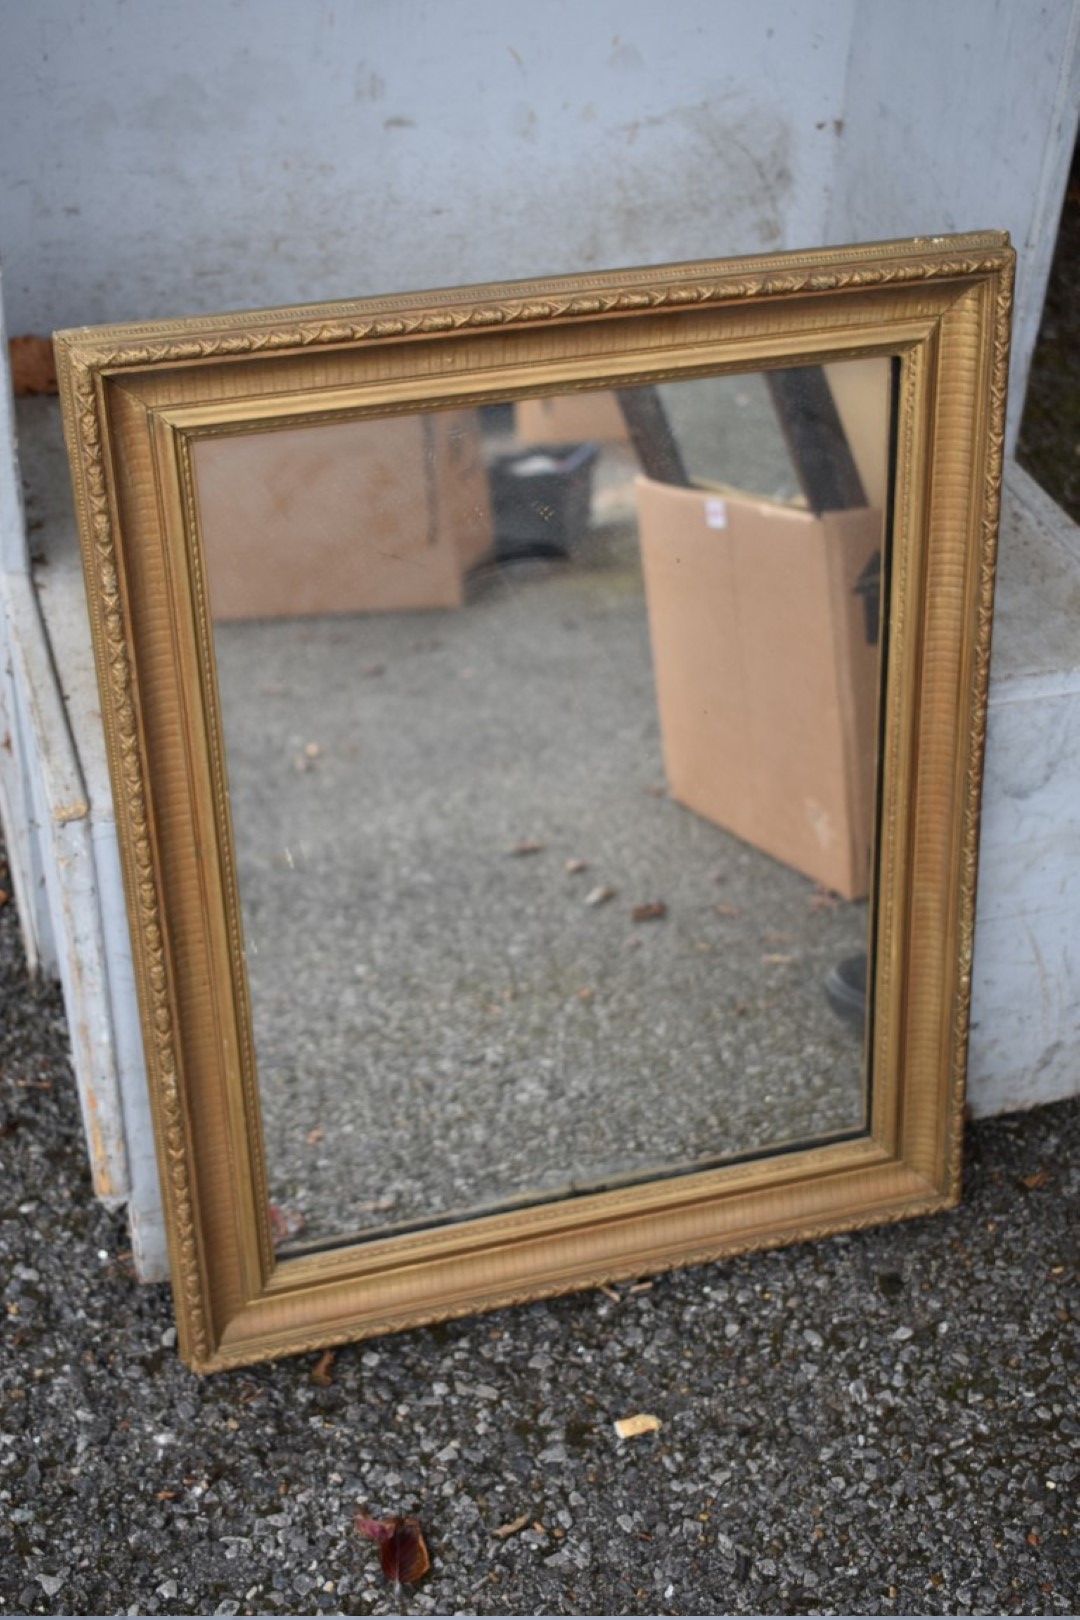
pixel 320 1373
pixel 375 1206
pixel 628 1428
pixel 1039 1179
pixel 512 1528
pixel 823 899
pixel 651 911
pixel 403 1551
pixel 285 1223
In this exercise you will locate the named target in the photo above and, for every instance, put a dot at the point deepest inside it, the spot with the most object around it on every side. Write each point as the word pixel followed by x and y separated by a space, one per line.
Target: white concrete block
pixel 1025 1017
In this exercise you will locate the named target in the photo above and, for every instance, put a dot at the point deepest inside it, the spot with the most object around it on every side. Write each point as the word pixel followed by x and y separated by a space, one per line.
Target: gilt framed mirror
pixel 546 728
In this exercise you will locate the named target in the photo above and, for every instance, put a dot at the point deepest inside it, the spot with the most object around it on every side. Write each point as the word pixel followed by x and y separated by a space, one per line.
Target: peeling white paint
pixel 44 805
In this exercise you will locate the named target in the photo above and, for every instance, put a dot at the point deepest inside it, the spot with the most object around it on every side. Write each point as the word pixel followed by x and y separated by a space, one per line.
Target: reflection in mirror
pixel 551 740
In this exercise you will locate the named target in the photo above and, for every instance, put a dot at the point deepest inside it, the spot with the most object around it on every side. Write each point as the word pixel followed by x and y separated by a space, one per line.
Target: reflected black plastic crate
pixel 540 499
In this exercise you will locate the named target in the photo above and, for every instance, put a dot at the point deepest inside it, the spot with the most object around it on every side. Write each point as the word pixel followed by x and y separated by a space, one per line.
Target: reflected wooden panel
pixel 553 791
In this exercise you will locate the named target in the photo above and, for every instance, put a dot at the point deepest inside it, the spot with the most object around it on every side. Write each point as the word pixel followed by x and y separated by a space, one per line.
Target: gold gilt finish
pixel 134 399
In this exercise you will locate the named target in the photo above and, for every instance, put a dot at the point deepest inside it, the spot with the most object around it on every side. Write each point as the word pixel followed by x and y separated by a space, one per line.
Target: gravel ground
pixel 882 1423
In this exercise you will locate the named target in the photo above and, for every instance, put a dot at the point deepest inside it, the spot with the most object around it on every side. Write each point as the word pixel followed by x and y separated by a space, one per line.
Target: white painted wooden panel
pixel 86 881
pixel 58 822
pixel 45 810
pixel 16 803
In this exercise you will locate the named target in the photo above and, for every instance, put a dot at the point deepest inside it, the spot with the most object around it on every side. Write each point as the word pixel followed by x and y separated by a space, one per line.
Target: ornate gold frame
pixel 135 397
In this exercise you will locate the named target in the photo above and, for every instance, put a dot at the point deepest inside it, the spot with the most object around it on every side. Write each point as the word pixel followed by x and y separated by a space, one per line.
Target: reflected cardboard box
pixel 766 662
pixel 571 418
pixel 370 516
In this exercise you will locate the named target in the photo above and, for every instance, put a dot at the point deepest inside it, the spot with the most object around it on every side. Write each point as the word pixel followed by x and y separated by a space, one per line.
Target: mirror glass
pixel 551 735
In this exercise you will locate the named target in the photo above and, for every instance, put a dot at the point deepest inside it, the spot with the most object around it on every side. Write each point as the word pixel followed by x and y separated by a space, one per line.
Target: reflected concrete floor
pixel 443 1025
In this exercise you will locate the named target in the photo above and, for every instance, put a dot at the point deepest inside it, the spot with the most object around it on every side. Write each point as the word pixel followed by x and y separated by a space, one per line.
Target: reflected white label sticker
pixel 716 513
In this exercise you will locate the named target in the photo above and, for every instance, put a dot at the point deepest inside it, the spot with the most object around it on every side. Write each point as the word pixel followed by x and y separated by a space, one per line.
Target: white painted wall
pixel 163 159
pixel 962 117
pixel 159 159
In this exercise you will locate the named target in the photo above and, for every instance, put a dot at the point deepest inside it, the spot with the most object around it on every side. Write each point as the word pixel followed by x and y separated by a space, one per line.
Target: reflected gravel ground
pixel 441 1025
pixel 879 1424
